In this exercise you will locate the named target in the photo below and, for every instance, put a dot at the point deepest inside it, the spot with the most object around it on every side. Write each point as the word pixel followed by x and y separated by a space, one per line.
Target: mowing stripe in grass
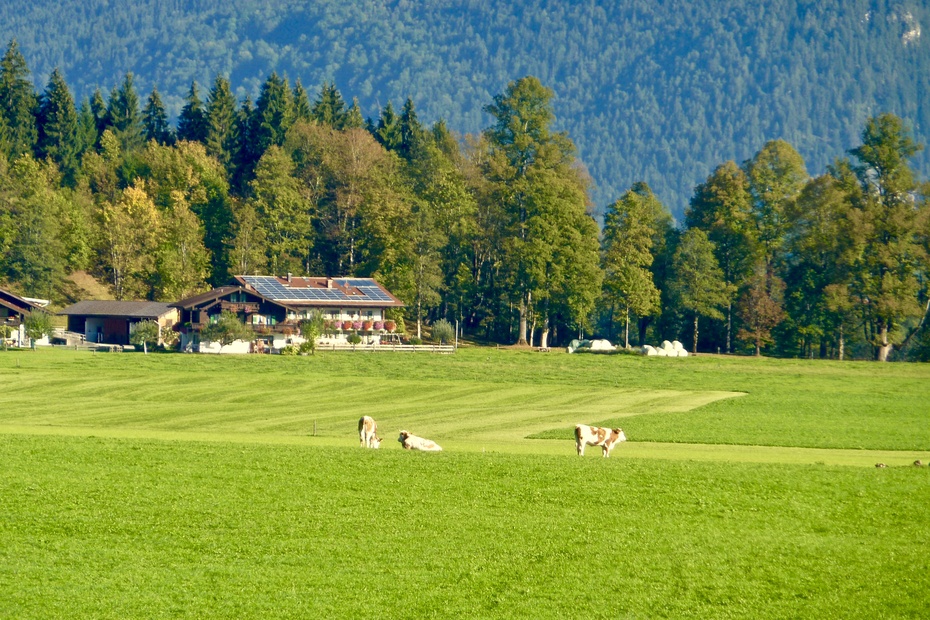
pixel 547 447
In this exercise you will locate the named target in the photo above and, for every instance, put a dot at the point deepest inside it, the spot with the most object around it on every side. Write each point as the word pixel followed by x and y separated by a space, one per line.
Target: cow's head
pixel 403 436
pixel 620 435
pixel 375 442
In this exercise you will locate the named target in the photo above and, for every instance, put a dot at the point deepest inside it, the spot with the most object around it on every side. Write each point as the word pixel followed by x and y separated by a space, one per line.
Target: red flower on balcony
pixel 366 325
pixel 346 325
pixel 390 325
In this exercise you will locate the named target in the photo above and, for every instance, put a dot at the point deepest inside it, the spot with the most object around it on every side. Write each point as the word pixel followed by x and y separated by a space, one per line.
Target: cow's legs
pixel 580 447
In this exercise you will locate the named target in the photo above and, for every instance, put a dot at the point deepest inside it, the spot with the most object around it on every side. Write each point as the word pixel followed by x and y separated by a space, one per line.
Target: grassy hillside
pixel 655 91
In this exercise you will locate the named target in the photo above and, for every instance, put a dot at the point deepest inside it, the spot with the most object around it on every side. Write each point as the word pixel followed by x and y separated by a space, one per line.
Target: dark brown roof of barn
pixel 196 300
pixel 16 303
pixel 127 309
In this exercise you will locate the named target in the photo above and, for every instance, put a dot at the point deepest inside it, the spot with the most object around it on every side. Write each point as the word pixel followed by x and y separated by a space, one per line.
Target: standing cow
pixel 368 432
pixel 606 438
pixel 411 442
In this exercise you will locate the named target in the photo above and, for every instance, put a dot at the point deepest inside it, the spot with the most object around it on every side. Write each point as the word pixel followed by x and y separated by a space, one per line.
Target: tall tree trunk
pixel 729 323
pixel 885 347
pixel 532 332
pixel 544 336
pixel 524 309
pixel 694 348
pixel 842 344
pixel 626 330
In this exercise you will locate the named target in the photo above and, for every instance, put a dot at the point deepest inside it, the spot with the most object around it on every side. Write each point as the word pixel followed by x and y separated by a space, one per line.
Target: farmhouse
pixel 274 306
pixel 13 310
pixel 111 322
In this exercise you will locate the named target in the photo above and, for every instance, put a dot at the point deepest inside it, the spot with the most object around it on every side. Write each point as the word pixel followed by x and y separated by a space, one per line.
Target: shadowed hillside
pixel 655 91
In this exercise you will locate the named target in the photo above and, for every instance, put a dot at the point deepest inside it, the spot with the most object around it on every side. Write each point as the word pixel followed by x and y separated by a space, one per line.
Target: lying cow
pixel 411 442
pixel 606 438
pixel 368 432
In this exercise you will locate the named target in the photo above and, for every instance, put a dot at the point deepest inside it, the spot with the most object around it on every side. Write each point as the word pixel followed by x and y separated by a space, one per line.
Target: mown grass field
pixel 199 486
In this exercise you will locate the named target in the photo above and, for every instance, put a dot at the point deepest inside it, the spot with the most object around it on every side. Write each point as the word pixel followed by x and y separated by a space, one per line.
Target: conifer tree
pixel 86 132
pixel 192 124
pixel 302 110
pixel 354 119
pixel 222 123
pixel 247 151
pixel 387 132
pixel 58 126
pixel 124 117
pixel 18 102
pixel 98 106
pixel 274 114
pixel 155 120
pixel 411 132
pixel 329 107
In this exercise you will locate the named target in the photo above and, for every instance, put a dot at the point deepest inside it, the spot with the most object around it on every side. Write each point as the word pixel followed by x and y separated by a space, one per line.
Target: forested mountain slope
pixel 653 90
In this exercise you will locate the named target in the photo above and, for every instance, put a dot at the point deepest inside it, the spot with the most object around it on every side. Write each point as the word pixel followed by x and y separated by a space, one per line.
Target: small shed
pixel 111 322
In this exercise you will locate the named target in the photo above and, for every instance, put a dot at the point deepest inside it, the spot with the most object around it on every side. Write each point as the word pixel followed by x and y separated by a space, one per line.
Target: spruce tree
pixel 98 106
pixel 222 123
pixel 247 152
pixel 155 120
pixel 274 113
pixel 411 132
pixel 329 108
pixel 123 115
pixel 18 102
pixel 86 135
pixel 302 109
pixel 192 124
pixel 354 118
pixel 387 131
pixel 58 126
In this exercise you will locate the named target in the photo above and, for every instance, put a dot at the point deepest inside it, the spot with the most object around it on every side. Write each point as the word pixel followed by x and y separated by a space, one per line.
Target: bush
pixel 354 338
pixel 308 347
pixel 144 333
pixel 415 340
pixel 37 323
pixel 289 350
pixel 443 331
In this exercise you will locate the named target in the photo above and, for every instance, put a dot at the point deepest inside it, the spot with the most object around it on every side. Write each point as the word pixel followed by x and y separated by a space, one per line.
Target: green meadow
pixel 174 485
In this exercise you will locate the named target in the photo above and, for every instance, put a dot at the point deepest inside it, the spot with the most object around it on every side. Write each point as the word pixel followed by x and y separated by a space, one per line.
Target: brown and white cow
pixel 606 438
pixel 368 432
pixel 411 442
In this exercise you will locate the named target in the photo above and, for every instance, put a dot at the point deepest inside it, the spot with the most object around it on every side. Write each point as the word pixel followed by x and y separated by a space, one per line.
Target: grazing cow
pixel 368 432
pixel 606 438
pixel 411 442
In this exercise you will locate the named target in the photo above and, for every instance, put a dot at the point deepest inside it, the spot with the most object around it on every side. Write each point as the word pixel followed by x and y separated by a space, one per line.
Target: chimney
pixel 329 283
pixel 288 277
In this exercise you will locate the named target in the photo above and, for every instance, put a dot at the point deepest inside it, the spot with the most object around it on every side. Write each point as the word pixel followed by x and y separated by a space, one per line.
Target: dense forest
pixel 658 91
pixel 495 230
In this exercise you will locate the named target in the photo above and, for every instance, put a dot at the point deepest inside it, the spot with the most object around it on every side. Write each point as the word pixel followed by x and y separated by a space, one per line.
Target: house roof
pixel 16 303
pixel 199 300
pixel 125 309
pixel 321 291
